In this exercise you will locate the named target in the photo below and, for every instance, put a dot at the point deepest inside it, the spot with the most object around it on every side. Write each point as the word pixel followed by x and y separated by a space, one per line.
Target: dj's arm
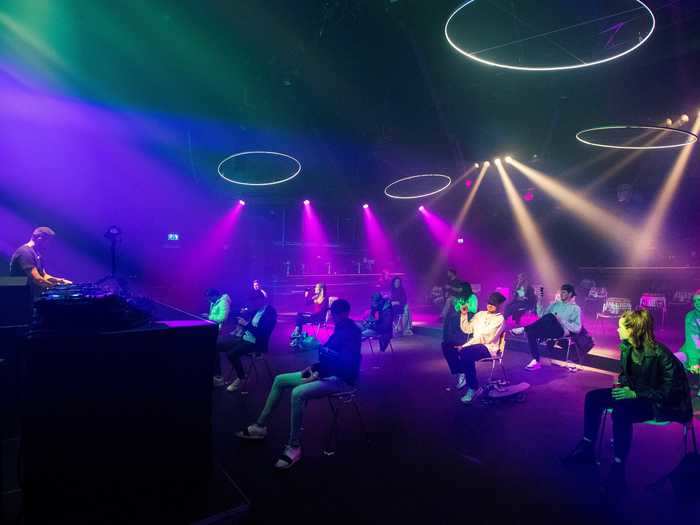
pixel 42 281
pixel 55 280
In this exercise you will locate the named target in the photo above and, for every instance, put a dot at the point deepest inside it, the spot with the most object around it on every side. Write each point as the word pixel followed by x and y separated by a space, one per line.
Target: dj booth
pixel 115 410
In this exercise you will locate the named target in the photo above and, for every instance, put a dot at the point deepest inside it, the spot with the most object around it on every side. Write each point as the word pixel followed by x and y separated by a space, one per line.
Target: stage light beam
pixel 602 221
pixel 539 251
pixel 653 224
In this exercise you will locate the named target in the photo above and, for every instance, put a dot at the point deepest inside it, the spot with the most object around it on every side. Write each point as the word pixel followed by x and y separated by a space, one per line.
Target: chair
pixel 655 302
pixel 614 308
pixel 497 359
pixel 570 342
pixel 335 402
pixel 688 428
pixel 252 367
pixel 326 316
pixel 595 299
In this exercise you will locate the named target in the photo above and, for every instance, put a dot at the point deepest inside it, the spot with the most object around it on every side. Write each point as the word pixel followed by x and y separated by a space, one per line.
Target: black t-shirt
pixel 23 260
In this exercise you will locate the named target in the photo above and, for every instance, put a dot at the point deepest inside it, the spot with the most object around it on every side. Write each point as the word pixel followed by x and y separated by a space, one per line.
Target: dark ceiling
pixel 362 92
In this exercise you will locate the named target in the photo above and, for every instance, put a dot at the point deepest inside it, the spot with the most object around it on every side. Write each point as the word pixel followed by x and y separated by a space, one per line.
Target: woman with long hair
pixel 652 386
pixel 318 300
pixel 524 299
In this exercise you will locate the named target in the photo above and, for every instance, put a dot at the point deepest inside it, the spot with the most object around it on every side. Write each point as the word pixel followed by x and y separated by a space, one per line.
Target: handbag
pixel 584 341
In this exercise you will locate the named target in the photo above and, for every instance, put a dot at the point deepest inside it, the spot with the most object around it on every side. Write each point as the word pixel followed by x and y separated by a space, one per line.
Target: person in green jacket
pixel 691 346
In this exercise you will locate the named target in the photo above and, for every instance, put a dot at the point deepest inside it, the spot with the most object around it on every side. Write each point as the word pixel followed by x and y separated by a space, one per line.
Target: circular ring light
pixel 446 184
pixel 473 56
pixel 687 137
pixel 294 173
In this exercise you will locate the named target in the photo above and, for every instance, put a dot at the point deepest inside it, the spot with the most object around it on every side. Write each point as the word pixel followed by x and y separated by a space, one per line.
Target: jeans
pixel 383 338
pixel 235 348
pixel 516 309
pixel 302 391
pixel 449 303
pixel 546 327
pixel 469 356
pixel 307 317
pixel 624 414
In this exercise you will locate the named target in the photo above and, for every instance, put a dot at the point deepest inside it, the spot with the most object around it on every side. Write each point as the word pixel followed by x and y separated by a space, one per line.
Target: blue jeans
pixel 302 391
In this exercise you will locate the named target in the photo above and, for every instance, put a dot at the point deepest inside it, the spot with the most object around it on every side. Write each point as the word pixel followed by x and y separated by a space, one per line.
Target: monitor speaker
pixel 15 301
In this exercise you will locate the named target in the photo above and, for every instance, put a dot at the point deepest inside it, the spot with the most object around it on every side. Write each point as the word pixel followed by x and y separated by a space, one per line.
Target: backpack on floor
pixel 584 341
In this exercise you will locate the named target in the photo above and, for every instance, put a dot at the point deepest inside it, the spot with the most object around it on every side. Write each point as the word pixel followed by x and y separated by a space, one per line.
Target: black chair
pixel 252 367
pixel 336 402
pixel 369 338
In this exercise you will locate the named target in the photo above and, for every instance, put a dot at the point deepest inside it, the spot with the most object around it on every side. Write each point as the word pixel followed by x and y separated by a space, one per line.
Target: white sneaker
pixel 471 395
pixel 461 381
pixel 254 432
pixel 234 386
pixel 289 457
pixel 533 365
pixel 518 331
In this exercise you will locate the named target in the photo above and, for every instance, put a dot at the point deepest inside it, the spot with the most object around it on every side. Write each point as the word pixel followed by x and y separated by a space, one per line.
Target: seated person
pixel 691 346
pixel 560 319
pixel 485 329
pixel 219 306
pixel 336 371
pixel 652 385
pixel 451 289
pixel 452 334
pixel 258 290
pixel 319 307
pixel 380 322
pixel 524 299
pixel 219 310
pixel 399 305
pixel 255 338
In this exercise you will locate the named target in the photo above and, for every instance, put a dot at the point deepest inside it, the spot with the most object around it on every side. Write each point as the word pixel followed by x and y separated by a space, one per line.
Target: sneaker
pixel 253 432
pixel 471 395
pixel 219 381
pixel 533 365
pixel 583 454
pixel 461 381
pixel 234 386
pixel 289 457
pixel 518 331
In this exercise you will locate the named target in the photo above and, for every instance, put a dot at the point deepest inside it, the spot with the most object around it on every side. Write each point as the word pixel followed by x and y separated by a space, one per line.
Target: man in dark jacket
pixel 380 322
pixel 336 371
pixel 255 338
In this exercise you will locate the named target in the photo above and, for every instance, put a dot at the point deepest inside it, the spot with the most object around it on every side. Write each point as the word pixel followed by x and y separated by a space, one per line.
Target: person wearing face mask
pixel 485 329
pixel 691 346
pixel 559 319
pixel 652 385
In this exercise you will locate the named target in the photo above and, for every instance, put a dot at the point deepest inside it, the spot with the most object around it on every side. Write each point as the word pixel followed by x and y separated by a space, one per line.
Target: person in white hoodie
pixel 560 319
pixel 485 328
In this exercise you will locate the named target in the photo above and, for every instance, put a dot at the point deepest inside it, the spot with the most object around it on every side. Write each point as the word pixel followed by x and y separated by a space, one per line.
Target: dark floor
pixel 430 457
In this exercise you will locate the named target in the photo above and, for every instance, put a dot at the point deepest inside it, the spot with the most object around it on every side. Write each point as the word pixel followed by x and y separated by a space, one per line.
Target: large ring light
pixel 690 138
pixel 296 171
pixel 448 181
pixel 473 56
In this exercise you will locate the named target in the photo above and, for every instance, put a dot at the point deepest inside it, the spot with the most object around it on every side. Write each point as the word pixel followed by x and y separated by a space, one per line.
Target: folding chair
pixel 497 359
pixel 336 402
pixel 252 368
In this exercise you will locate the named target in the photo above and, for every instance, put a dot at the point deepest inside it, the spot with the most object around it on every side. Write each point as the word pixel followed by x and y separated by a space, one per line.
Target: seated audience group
pixel 652 385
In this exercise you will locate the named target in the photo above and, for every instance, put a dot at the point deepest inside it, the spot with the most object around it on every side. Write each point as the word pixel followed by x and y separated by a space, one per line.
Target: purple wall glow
pixel 315 241
pixel 379 245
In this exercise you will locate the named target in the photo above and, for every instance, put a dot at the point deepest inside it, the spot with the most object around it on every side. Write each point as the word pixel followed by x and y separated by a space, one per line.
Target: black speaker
pixel 116 427
pixel 15 301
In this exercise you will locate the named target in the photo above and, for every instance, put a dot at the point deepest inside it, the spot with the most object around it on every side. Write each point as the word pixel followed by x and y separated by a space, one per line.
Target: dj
pixel 27 261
